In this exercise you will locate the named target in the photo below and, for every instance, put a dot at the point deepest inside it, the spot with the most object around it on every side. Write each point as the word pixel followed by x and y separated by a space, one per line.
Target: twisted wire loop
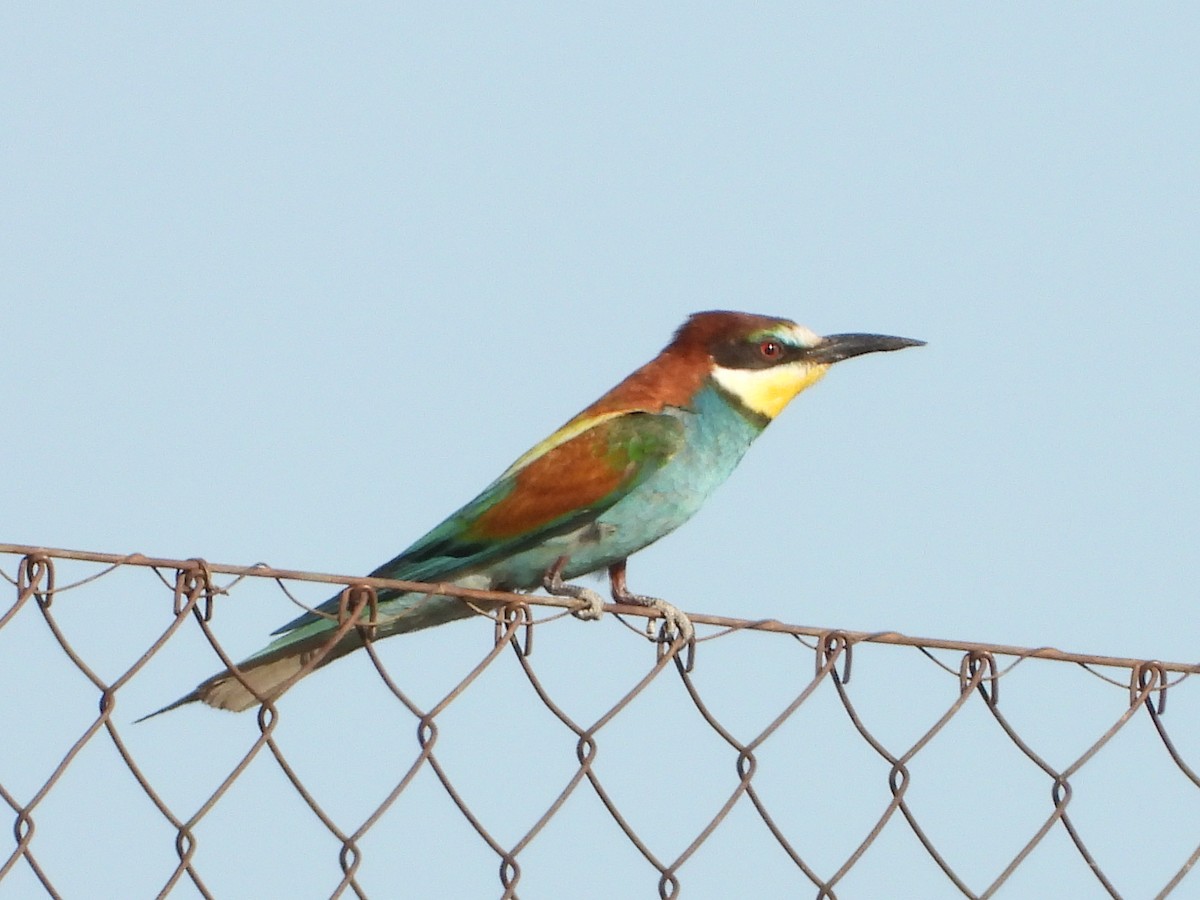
pixel 1146 679
pixel 33 569
pixel 987 684
pixel 589 743
pixel 518 613
pixel 353 602
pixel 830 646
pixel 193 583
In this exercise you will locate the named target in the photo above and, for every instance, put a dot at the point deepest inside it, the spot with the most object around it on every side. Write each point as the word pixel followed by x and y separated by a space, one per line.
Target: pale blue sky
pixel 292 282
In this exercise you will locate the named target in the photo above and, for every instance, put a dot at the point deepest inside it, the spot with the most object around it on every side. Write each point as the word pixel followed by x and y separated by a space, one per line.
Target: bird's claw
pixel 555 586
pixel 595 605
pixel 675 626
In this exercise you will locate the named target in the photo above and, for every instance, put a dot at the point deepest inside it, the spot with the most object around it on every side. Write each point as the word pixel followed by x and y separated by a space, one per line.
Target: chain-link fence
pixel 591 767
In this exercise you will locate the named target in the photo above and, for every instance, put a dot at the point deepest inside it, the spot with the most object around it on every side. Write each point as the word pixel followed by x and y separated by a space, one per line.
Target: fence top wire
pixel 262 570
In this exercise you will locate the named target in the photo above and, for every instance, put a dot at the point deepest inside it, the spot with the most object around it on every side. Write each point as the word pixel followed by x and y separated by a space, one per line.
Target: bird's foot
pixel 675 623
pixel 675 620
pixel 556 587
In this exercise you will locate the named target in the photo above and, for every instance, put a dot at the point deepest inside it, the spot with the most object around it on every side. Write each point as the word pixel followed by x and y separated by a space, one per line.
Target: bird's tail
pixel 275 668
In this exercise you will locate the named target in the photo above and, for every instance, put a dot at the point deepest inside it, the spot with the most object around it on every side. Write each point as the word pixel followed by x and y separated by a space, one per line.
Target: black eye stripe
pixel 740 354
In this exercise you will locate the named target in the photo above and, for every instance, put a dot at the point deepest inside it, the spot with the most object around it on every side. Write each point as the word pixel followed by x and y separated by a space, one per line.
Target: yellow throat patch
pixel 768 391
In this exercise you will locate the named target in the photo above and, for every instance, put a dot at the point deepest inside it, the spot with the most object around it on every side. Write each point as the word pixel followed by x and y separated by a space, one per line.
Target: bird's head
pixel 763 362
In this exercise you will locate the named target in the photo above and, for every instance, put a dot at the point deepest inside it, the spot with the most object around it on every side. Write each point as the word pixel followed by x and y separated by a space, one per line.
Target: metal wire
pixel 195 591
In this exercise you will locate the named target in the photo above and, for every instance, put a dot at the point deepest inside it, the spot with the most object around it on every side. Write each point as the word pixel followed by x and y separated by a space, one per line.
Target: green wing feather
pixel 619 453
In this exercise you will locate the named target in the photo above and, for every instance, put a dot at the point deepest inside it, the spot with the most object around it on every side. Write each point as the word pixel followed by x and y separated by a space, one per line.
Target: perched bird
pixel 629 469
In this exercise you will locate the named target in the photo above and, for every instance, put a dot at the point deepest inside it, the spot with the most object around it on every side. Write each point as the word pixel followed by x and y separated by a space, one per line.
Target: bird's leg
pixel 675 621
pixel 556 587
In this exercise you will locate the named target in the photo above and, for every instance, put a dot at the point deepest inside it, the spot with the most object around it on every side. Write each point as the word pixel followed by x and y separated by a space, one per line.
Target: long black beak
pixel 837 347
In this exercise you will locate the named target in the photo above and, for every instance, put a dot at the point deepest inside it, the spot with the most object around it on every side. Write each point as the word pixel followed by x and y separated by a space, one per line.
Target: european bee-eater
pixel 629 469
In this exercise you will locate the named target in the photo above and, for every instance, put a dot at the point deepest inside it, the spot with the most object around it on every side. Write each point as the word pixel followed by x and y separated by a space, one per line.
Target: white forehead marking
pixel 801 336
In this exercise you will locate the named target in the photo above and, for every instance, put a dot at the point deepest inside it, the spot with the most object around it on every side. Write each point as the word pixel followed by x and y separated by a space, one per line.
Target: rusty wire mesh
pixel 485 774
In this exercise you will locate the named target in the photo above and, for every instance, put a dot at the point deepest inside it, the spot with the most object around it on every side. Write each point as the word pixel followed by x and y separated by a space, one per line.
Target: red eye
pixel 770 349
